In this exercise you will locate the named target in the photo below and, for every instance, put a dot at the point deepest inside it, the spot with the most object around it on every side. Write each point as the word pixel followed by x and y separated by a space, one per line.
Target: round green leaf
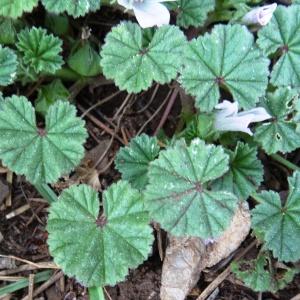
pixel 133 161
pixel 282 33
pixel 8 66
pixel 279 222
pixel 15 8
pixel 42 155
pixel 98 250
pixel 245 172
pixel 178 197
pixel 75 8
pixel 226 57
pixel 280 133
pixel 141 64
pixel 41 50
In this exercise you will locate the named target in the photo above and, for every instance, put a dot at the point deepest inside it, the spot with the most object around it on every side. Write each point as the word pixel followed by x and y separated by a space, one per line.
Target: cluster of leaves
pixel 191 187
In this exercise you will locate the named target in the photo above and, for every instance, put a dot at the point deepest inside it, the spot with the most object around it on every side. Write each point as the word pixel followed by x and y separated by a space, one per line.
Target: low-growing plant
pixel 191 183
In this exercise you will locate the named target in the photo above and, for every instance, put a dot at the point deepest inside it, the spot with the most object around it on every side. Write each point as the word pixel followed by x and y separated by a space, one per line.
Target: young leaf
pixel 201 126
pixel 75 8
pixel 41 50
pixel 8 66
pixel 133 160
pixel 245 172
pixel 85 61
pixel 7 31
pixel 280 133
pixel 100 248
pixel 280 35
pixel 15 8
pixel 177 195
pixel 159 60
pixel 49 94
pixel 226 57
pixel 280 223
pixel 259 279
pixel 192 12
pixel 42 155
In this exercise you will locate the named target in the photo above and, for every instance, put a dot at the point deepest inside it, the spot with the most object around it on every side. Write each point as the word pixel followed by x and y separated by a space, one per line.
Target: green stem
pixel 22 283
pixel 46 192
pixel 256 197
pixel 285 162
pixel 96 293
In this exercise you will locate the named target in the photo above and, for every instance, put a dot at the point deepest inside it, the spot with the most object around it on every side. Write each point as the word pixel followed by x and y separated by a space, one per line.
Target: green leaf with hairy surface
pixel 41 50
pixel 49 94
pixel 281 36
pixel 226 57
pixel 245 172
pixel 178 197
pixel 8 66
pixel 259 279
pixel 42 155
pixel 280 223
pixel 15 8
pixel 100 248
pixel 133 161
pixel 192 12
pixel 279 133
pixel 75 8
pixel 159 60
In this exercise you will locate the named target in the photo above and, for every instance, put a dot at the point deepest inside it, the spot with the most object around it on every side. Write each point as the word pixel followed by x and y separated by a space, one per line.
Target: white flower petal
pixel 260 15
pixel 126 3
pixel 259 114
pixel 149 14
pixel 234 124
pixel 227 109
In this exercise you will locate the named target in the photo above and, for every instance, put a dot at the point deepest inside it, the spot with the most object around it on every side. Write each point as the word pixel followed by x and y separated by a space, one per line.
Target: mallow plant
pixel 242 69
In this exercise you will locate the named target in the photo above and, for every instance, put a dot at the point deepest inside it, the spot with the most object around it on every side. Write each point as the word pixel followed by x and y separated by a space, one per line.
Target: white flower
pixel 260 15
pixel 148 12
pixel 228 118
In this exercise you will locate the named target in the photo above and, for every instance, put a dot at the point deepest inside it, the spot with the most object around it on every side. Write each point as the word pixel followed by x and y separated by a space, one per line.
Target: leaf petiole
pixel 96 293
pixel 46 192
pixel 285 162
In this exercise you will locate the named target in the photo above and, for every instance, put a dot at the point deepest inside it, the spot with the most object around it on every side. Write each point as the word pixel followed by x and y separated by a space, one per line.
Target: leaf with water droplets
pixel 192 12
pixel 178 195
pixel 281 36
pixel 279 221
pixel 98 250
pixel 225 58
pixel 42 155
pixel 133 160
pixel 8 66
pixel 142 62
pixel 75 8
pixel 245 172
pixel 280 133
